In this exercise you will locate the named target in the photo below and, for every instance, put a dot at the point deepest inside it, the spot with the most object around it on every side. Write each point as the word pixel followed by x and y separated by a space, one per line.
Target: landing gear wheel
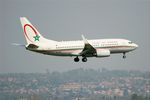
pixel 84 59
pixel 76 59
pixel 124 55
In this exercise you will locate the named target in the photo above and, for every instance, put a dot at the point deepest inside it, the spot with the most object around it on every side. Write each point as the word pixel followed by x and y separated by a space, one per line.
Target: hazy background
pixel 67 20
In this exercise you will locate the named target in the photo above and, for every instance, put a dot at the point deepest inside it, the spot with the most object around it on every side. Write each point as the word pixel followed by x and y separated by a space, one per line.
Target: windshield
pixel 130 42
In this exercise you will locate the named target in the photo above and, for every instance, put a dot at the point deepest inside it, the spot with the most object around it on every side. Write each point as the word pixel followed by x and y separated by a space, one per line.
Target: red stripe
pixel 28 33
pixel 117 46
pixel 82 49
pixel 63 50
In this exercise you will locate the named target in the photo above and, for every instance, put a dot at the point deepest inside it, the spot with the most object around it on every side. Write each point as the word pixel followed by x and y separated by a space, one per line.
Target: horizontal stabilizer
pixel 16 44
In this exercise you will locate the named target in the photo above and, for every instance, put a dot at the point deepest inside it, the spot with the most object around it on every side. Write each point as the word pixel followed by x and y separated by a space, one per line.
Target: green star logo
pixel 36 38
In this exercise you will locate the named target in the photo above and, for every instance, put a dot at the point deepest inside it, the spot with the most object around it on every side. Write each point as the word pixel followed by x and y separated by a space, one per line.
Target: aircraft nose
pixel 136 46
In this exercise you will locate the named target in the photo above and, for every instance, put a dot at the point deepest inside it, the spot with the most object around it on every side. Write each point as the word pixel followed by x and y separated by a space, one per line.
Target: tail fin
pixel 30 32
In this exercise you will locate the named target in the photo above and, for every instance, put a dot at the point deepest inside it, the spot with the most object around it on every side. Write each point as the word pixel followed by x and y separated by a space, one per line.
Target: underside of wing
pixel 88 49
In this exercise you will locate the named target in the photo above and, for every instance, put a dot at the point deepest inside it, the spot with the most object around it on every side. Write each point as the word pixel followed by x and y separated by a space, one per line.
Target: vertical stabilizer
pixel 30 32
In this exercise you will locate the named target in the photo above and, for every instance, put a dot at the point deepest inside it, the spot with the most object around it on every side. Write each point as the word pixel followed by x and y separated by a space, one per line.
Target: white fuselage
pixel 73 48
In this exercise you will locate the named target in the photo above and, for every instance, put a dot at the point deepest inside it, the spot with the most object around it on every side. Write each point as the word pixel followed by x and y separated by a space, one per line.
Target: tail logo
pixel 36 37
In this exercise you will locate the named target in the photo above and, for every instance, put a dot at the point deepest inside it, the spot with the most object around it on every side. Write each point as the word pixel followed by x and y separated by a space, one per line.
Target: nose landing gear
pixel 124 55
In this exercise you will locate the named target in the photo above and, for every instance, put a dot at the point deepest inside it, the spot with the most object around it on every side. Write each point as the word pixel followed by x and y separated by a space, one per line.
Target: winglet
pixel 84 39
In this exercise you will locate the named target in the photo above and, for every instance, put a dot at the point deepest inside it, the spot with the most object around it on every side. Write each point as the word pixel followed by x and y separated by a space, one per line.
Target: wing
pixel 88 49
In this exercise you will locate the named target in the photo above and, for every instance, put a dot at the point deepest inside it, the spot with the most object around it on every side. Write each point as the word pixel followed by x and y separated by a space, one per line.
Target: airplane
pixel 84 48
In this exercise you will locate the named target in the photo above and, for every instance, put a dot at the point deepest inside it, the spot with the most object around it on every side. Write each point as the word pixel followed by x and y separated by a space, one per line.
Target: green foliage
pixel 136 97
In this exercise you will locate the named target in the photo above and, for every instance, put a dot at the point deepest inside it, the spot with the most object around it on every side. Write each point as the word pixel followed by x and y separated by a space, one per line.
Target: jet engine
pixel 102 53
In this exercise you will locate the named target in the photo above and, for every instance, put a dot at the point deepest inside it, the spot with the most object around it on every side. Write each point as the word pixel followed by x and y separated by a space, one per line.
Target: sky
pixel 67 20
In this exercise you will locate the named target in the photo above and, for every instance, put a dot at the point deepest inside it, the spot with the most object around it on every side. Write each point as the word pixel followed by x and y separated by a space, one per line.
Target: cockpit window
pixel 130 42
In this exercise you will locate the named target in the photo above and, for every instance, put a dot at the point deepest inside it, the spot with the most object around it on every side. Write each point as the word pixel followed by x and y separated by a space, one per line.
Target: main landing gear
pixel 76 59
pixel 84 59
pixel 124 55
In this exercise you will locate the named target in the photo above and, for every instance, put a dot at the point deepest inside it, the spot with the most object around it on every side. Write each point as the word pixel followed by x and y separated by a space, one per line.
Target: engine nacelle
pixel 102 52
